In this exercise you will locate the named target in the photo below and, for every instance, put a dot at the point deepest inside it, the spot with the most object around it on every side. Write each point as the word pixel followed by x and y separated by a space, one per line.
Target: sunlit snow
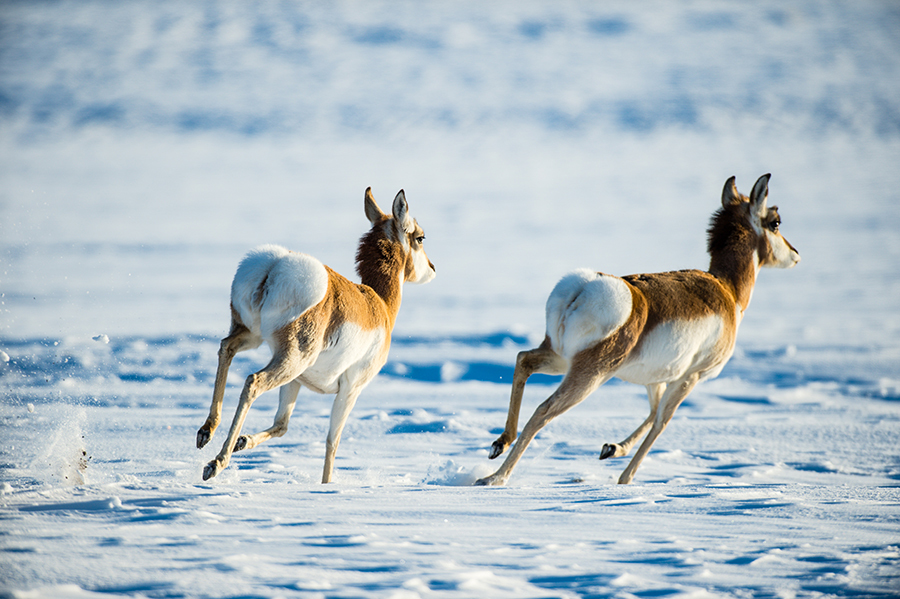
pixel 146 146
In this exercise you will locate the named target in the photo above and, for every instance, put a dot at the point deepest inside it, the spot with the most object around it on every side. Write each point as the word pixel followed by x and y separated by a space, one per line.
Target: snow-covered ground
pixel 145 146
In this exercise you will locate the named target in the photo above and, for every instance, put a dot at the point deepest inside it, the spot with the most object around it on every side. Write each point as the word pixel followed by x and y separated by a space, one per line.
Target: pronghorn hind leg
pixel 672 398
pixel 287 397
pixel 587 373
pixel 239 339
pixel 564 398
pixel 287 364
pixel 618 450
pixel 541 359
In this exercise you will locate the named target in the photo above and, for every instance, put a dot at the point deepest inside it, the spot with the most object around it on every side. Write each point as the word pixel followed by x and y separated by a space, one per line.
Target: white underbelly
pixel 353 351
pixel 673 349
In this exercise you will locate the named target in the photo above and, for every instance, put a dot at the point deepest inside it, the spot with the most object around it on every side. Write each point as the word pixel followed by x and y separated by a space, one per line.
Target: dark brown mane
pixel 378 261
pixel 724 229
pixel 730 243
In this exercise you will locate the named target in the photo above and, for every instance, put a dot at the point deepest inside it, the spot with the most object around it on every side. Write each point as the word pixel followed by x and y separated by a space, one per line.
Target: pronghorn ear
pixel 401 213
pixel 730 195
pixel 373 212
pixel 759 195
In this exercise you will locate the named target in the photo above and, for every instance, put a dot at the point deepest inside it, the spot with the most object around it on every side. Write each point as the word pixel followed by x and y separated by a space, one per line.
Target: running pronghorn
pixel 667 331
pixel 325 332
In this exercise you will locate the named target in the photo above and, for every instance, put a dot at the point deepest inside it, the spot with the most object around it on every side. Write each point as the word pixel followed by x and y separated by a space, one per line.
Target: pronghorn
pixel 325 332
pixel 667 331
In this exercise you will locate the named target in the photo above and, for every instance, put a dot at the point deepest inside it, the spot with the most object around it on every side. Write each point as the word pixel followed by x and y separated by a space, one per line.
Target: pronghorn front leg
pixel 340 410
pixel 672 398
pixel 617 450
pixel 541 359
pixel 239 340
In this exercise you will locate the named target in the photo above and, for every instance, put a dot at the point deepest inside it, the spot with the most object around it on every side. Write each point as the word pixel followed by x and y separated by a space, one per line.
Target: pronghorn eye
pixel 773 225
pixel 420 238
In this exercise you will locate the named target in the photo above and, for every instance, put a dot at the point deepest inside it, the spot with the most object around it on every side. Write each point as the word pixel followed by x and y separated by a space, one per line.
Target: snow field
pixel 146 146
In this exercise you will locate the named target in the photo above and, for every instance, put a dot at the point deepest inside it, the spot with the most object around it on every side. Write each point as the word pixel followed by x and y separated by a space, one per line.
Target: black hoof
pixel 210 470
pixel 490 481
pixel 497 449
pixel 241 443
pixel 203 437
pixel 608 451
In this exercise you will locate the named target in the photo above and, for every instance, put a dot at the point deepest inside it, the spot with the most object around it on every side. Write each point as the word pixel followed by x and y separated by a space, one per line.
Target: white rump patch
pixel 274 286
pixel 585 307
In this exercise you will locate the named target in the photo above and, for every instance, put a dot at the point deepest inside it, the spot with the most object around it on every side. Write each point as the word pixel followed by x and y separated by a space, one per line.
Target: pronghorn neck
pixel 380 264
pixel 734 253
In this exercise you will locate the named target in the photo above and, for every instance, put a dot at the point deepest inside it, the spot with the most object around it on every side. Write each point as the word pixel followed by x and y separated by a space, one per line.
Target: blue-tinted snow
pixel 145 146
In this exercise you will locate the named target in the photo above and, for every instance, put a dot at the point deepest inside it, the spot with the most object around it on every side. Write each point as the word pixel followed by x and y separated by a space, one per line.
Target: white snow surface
pixel 145 147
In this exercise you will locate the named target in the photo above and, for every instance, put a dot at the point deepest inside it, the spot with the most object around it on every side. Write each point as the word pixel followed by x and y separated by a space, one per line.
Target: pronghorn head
pixel 400 231
pixel 772 249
